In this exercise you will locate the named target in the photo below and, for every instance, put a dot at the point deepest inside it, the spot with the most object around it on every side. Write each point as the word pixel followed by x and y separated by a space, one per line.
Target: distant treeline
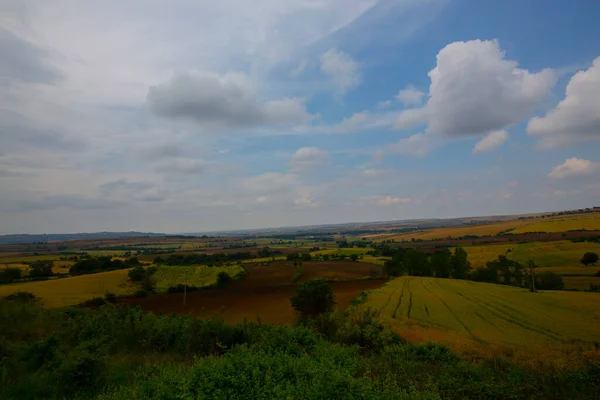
pixel 214 259
pixel 101 264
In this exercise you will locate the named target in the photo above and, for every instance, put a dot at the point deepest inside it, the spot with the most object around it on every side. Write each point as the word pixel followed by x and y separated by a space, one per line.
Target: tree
pixel 137 274
pixel 460 263
pixel 441 263
pixel 354 257
pixel 589 258
pixel 313 297
pixel 9 275
pixel 550 281
pixel 41 269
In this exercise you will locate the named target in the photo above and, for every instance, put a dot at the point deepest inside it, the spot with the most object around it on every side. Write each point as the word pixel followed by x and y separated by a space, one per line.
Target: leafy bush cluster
pixel 124 353
pixel 101 264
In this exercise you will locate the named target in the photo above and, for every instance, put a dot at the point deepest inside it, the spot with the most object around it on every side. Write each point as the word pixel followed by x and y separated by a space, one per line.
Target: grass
pixel 198 276
pixel 74 290
pixel 262 259
pixel 486 313
pixel 344 252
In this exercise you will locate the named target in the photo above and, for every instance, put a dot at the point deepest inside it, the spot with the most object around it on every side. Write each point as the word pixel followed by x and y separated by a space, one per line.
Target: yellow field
pixel 74 290
pixel 488 314
pixel 262 259
pixel 59 267
pixel 453 232
pixel 562 223
pixel 563 253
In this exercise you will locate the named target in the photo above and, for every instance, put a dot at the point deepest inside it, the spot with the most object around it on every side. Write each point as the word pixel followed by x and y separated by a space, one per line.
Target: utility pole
pixel 532 268
pixel 185 288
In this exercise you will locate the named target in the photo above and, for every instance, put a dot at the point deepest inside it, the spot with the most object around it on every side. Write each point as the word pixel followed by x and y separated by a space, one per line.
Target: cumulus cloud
pixel 411 117
pixel 342 69
pixel 221 101
pixel 308 158
pixel 577 117
pixel 410 96
pixel 491 141
pixel 269 182
pixel 574 167
pixel 417 145
pixel 475 89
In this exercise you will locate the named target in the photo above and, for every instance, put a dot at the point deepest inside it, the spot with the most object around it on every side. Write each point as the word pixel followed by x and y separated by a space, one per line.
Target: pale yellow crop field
pixel 74 290
pixel 563 253
pixel 562 223
pixel 487 313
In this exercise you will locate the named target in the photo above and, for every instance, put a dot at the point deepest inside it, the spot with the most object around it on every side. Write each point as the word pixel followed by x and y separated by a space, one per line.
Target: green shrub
pixel 223 279
pixel 313 297
pixel 110 297
pixel 137 274
pixel 24 297
pixel 140 293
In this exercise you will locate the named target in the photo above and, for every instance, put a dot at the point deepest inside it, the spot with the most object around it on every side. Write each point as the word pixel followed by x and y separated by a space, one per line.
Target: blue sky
pixel 195 116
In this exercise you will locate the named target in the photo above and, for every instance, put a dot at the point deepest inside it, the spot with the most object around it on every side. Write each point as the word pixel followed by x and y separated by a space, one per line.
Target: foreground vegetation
pixel 124 353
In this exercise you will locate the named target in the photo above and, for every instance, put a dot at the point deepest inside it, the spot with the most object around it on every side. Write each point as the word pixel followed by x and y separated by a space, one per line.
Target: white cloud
pixel 384 104
pixel 417 145
pixel 411 117
pixel 475 90
pixel 574 167
pixel 410 96
pixel 307 159
pixel 299 70
pixel 577 117
pixel 386 200
pixel 269 182
pixel 342 69
pixel 490 141
pixel 375 172
pixel 216 101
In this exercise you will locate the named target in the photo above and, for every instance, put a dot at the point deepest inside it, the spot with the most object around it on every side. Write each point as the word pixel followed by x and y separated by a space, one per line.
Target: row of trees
pixel 441 264
pixel 101 264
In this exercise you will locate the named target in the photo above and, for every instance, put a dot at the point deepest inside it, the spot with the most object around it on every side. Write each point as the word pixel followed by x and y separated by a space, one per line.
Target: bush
pixel 137 274
pixel 549 281
pixel 223 279
pixel 110 297
pixel 589 258
pixel 148 284
pixel 140 293
pixel 95 302
pixel 23 297
pixel 313 297
pixel 9 275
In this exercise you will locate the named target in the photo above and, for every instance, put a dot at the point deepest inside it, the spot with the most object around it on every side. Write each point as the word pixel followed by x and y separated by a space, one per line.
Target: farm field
pixel 265 292
pixel 458 311
pixel 562 224
pixel 580 282
pixel 74 290
pixel 545 254
pixel 199 276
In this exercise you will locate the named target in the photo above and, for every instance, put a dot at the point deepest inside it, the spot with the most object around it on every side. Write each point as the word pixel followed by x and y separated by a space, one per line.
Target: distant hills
pixel 51 237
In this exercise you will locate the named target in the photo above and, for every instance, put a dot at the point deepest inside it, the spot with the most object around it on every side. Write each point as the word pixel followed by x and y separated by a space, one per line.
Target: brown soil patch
pixel 264 294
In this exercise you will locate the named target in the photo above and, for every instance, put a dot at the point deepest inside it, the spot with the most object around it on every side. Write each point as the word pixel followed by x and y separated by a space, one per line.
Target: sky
pixel 195 116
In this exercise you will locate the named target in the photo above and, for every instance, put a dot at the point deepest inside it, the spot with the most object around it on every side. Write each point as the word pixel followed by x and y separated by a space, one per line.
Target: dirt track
pixel 265 292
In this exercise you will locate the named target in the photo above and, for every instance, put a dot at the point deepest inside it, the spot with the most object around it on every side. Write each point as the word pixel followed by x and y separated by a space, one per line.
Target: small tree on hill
pixel 589 258
pixel 313 297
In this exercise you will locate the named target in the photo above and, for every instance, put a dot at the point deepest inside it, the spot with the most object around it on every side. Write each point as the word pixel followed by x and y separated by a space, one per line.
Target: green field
pixel 487 313
pixel 74 290
pixel 199 276
pixel 345 251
